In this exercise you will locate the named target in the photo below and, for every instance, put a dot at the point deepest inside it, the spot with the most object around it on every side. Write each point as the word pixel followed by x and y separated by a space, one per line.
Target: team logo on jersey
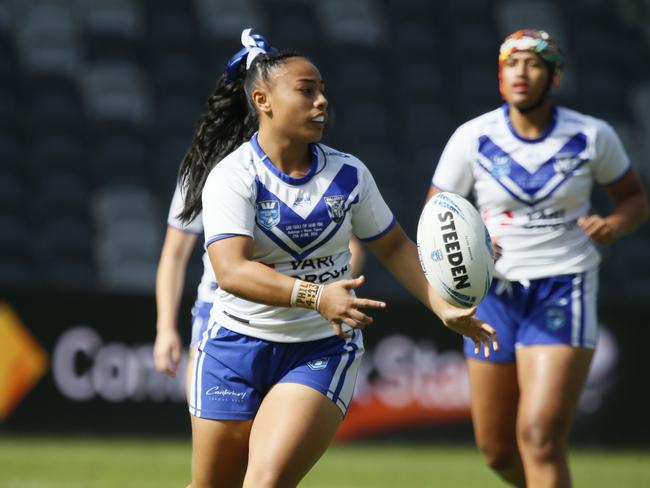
pixel 555 318
pixel 500 166
pixel 564 163
pixel 268 213
pixel 318 364
pixel 336 207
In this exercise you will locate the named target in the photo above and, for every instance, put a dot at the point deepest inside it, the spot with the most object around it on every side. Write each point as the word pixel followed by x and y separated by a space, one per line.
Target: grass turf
pixel 104 463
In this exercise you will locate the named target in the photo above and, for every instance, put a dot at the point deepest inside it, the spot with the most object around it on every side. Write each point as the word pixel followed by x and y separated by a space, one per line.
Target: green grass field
pixel 100 463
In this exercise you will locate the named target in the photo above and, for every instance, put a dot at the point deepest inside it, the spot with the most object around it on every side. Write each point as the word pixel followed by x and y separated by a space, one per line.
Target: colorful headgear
pixel 539 42
pixel 254 45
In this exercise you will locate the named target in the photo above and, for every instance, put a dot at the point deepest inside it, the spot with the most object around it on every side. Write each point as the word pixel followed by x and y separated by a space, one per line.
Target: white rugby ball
pixel 455 250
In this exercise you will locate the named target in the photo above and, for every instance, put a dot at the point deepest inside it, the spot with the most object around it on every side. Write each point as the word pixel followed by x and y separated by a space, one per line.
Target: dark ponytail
pixel 229 121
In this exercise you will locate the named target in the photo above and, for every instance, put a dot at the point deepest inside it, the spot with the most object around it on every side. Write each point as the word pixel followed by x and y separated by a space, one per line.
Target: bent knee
pixel 500 457
pixel 542 441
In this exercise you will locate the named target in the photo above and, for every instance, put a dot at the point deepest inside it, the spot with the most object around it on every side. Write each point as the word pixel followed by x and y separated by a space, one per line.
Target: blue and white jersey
pixel 208 284
pixel 301 227
pixel 530 192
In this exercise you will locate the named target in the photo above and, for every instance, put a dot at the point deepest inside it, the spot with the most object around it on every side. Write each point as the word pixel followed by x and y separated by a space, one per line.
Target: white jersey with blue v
pixel 531 192
pixel 301 227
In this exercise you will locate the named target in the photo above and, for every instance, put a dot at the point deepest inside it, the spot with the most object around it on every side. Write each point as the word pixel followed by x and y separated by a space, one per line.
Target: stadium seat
pixel 8 59
pixel 478 90
pixel 9 99
pixel 513 15
pixel 73 274
pixel 13 191
pixel 364 78
pixel 225 19
pixel 116 17
pixel 362 122
pixel 10 147
pixel 399 11
pixel 602 91
pixel 177 71
pixel 177 114
pixel 116 91
pixel 46 36
pixel 121 203
pixel 18 273
pixel 166 161
pixel 129 276
pixel 6 16
pixel 359 22
pixel 292 26
pixel 413 42
pixel 475 43
pixel 423 124
pixel 639 102
pixel 54 104
pixel 16 235
pixel 172 25
pixel 55 152
pixel 418 81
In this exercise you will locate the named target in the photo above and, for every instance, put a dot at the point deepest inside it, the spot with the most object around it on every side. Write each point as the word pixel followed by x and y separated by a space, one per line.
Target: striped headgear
pixel 539 42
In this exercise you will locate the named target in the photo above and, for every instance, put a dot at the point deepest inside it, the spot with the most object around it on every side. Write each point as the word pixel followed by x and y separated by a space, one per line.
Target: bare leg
pixel 219 452
pixel 495 395
pixel 550 381
pixel 292 429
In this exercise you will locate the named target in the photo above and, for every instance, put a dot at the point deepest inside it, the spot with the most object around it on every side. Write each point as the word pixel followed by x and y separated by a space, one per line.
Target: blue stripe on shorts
pixel 200 320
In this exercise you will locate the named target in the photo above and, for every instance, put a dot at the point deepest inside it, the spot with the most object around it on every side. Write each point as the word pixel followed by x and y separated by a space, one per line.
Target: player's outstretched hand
pixel 167 352
pixel 340 307
pixel 463 322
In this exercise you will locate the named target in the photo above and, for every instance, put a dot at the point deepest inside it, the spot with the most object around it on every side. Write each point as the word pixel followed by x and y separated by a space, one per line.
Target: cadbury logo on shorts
pixel 225 394
pixel 453 251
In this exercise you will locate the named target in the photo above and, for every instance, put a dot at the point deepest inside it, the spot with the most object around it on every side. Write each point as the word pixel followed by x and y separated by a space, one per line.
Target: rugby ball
pixel 455 250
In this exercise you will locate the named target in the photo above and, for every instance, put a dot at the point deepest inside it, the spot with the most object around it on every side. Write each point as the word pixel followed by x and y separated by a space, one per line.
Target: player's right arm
pixel 237 273
pixel 170 280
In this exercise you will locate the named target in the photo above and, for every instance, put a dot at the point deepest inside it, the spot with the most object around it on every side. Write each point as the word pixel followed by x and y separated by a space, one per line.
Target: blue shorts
pixel 556 310
pixel 232 372
pixel 200 320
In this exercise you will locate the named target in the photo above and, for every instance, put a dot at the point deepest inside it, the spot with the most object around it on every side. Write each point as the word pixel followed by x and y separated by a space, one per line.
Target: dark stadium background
pixel 98 101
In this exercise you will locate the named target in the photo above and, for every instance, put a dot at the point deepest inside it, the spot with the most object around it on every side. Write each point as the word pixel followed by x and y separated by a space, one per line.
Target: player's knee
pixel 500 457
pixel 542 442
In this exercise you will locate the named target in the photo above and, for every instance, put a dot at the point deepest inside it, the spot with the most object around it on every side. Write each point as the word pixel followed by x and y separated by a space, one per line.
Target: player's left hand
pixel 463 322
pixel 597 228
pixel 167 352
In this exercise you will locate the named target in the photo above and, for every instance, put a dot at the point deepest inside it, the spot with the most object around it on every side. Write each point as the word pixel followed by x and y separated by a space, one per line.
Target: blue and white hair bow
pixel 254 45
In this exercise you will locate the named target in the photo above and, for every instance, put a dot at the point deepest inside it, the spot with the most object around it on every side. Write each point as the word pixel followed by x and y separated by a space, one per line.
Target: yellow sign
pixel 22 361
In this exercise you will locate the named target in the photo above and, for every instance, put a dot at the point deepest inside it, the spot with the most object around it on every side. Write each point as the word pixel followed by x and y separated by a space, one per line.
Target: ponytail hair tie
pixel 254 45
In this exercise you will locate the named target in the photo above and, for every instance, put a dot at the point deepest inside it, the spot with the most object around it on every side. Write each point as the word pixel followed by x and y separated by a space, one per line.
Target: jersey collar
pixel 545 134
pixel 284 177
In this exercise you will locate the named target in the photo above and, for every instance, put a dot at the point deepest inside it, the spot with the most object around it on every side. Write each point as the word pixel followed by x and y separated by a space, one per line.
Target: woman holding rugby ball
pixel 275 371
pixel 530 166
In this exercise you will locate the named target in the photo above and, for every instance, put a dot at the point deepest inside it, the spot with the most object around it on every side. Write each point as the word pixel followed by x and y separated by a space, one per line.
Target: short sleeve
pixel 611 161
pixel 371 217
pixel 228 205
pixel 454 170
pixel 175 208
